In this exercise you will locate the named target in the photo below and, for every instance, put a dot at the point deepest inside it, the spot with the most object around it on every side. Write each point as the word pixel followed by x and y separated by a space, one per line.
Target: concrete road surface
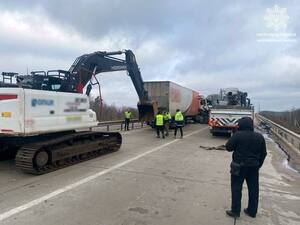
pixel 149 181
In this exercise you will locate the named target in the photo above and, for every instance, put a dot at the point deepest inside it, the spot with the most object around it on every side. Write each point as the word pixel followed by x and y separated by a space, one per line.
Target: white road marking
pixel 37 201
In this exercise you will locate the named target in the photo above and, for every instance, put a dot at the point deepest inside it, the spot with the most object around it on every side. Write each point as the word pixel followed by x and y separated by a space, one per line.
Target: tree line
pixel 106 112
pixel 289 119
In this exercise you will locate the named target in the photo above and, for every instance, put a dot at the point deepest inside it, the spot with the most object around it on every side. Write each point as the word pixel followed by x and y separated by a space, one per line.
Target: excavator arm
pixel 85 66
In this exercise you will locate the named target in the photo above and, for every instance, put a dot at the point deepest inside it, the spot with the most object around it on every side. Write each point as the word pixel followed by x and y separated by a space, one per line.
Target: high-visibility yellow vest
pixel 179 116
pixel 167 116
pixel 159 120
pixel 127 115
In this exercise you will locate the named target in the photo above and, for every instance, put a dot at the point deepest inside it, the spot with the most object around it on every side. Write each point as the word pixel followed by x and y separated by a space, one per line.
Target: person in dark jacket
pixel 249 152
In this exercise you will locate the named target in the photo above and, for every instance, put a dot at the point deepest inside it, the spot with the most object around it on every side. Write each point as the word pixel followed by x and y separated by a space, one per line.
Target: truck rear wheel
pixel 214 133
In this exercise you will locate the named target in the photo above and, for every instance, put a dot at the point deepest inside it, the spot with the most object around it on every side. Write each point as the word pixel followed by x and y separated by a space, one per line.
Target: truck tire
pixel 213 133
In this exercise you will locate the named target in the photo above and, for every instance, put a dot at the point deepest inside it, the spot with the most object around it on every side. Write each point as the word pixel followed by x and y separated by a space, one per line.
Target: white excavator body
pixel 27 112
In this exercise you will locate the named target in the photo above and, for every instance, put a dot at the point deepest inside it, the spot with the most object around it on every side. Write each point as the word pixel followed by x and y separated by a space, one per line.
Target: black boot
pixel 232 214
pixel 249 214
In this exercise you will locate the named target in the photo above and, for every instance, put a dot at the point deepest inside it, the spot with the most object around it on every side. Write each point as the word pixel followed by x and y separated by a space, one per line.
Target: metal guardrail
pixel 289 137
pixel 121 123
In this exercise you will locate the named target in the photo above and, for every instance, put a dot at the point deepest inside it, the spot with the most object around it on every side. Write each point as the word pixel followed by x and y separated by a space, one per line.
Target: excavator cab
pixel 52 80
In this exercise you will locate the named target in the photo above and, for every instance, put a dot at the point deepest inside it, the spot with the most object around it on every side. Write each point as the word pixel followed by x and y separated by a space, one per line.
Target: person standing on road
pixel 127 116
pixel 167 120
pixel 159 123
pixel 179 119
pixel 249 152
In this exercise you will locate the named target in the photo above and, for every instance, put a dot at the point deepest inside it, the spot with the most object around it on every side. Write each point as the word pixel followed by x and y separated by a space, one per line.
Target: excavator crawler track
pixel 47 156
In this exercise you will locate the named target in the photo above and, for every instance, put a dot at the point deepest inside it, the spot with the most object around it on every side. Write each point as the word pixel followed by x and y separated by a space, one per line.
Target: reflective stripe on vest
pixel 178 116
pixel 159 120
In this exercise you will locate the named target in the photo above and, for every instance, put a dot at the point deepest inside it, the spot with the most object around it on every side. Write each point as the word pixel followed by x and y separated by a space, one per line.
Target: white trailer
pixel 171 96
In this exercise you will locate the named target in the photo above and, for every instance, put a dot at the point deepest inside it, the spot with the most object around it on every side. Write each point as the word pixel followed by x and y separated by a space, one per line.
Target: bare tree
pixel 112 112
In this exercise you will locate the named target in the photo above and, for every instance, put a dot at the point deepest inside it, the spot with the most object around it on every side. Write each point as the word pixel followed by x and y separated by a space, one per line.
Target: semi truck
pixel 170 96
pixel 227 108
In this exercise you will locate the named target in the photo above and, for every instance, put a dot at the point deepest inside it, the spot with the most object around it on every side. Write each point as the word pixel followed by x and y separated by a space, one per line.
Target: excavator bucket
pixel 147 111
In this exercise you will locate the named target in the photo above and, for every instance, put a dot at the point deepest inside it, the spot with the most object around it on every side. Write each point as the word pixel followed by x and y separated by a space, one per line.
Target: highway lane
pixel 149 181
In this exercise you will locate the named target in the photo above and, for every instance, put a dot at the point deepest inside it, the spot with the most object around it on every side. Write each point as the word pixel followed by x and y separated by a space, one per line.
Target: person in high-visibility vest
pixel 127 116
pixel 179 120
pixel 159 123
pixel 167 120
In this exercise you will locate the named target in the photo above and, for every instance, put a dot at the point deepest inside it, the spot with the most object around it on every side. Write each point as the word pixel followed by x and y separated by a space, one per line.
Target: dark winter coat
pixel 249 147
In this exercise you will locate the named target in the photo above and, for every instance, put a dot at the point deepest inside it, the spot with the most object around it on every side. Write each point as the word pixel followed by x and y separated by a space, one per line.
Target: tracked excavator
pixel 45 119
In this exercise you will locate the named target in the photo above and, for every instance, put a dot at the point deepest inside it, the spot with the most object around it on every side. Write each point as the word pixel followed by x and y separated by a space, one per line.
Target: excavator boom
pixel 85 66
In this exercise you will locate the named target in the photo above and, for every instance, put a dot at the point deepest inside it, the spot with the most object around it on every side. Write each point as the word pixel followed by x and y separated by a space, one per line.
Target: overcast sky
pixel 204 45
